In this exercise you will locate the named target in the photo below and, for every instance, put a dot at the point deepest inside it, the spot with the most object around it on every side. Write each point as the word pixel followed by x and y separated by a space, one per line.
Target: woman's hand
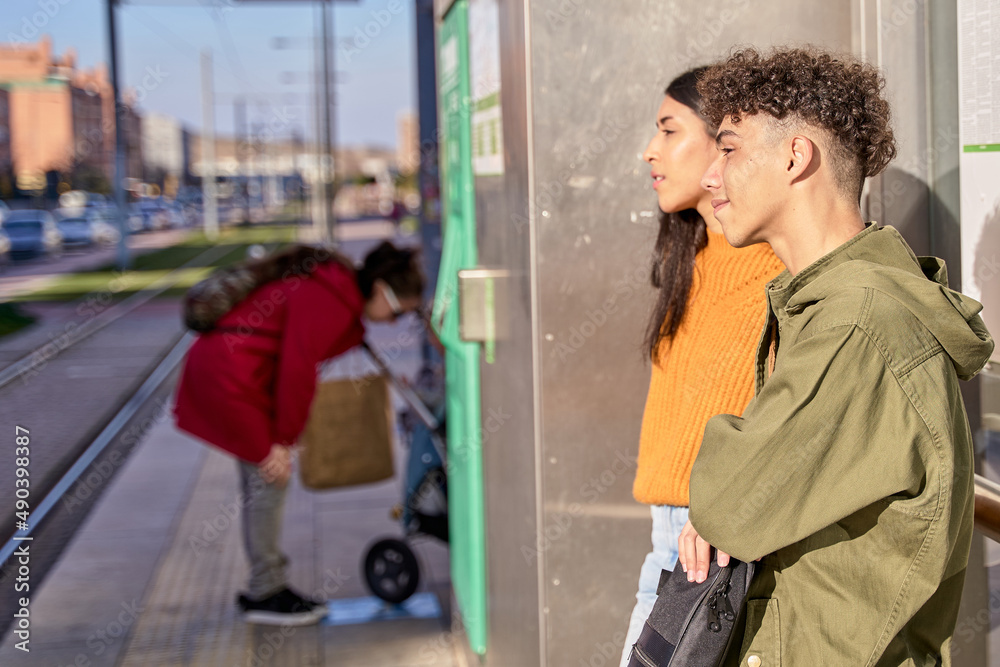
pixel 694 554
pixel 277 467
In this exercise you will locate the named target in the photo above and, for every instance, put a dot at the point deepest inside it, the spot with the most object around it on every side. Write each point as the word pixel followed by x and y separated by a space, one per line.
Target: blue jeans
pixel 668 521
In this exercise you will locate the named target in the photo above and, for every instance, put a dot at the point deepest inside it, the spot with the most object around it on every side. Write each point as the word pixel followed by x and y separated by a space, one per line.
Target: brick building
pixel 407 142
pixel 61 117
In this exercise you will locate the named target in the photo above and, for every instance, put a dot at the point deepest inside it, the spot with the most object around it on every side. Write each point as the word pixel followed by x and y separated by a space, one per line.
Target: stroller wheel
pixel 391 570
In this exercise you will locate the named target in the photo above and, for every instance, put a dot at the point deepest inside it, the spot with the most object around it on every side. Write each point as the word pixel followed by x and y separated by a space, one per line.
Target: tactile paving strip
pixel 190 615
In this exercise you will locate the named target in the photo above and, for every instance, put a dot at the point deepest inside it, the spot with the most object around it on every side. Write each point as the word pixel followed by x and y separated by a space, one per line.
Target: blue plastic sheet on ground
pixel 370 609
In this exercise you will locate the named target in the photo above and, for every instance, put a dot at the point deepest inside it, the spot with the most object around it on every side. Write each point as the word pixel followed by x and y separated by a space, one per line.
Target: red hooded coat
pixel 249 383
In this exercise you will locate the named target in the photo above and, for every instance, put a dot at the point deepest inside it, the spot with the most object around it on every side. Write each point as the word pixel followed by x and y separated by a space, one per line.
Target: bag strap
pixel 423 412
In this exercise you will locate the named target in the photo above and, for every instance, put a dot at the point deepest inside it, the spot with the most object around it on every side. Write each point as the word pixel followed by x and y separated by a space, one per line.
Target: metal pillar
pixel 240 145
pixel 118 178
pixel 209 204
pixel 329 167
pixel 427 174
pixel 428 183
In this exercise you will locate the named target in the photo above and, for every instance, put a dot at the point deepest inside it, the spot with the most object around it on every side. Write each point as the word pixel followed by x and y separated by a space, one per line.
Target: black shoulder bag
pixel 693 624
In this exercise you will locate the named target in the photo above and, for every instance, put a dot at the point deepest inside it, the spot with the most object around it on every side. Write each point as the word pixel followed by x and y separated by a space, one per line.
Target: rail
pixel 89 327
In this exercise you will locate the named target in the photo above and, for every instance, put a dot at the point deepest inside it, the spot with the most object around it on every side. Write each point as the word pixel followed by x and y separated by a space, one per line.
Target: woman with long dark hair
pixel 703 329
pixel 249 380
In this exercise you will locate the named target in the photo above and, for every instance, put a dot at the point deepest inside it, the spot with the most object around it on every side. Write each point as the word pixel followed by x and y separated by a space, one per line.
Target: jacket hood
pixel 340 280
pixel 879 258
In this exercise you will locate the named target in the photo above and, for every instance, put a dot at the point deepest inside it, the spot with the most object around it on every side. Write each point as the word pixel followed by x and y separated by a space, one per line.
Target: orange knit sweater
pixel 707 369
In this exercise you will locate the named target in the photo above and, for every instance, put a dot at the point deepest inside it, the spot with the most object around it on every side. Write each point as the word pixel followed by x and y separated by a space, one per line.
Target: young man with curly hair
pixel 850 474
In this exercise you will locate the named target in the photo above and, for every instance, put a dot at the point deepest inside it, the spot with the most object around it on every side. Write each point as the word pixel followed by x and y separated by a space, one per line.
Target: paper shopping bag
pixel 348 437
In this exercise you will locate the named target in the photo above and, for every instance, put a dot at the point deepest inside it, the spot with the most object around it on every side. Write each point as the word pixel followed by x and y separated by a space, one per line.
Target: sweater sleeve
pixel 314 321
pixel 830 432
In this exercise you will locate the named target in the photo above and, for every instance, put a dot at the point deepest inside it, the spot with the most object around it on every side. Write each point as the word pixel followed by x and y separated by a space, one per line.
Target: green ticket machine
pixel 465 468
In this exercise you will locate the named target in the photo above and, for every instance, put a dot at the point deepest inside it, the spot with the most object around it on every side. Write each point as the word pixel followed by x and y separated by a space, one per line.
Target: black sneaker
pixel 286 607
pixel 296 599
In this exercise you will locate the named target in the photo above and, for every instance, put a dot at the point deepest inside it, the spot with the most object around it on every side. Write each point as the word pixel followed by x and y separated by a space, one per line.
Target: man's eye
pixel 726 151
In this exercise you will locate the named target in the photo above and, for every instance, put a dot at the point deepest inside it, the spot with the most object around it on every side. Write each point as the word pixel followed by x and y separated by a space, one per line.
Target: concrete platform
pixel 151 577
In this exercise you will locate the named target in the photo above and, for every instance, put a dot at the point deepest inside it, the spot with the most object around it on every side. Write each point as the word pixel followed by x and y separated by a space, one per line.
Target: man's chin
pixel 733 238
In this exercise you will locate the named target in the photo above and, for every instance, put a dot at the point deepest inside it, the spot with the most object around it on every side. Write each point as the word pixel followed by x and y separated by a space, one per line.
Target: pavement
pixel 152 575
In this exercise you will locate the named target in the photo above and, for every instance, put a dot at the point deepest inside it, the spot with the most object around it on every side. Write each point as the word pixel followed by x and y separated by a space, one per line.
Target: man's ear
pixel 801 152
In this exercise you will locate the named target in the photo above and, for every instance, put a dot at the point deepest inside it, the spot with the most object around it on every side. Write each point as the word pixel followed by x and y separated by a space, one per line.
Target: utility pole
pixel 329 166
pixel 318 193
pixel 118 177
pixel 209 204
pixel 240 148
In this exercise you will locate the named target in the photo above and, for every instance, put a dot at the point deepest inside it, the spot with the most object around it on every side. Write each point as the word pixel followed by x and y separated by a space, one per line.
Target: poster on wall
pixel 979 135
pixel 484 71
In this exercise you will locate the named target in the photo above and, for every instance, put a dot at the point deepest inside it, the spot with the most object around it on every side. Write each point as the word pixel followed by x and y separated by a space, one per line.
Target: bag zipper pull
pixel 727 607
pixel 720 611
pixel 714 614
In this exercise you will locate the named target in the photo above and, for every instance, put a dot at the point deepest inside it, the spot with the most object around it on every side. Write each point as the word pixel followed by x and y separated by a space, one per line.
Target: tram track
pixel 80 332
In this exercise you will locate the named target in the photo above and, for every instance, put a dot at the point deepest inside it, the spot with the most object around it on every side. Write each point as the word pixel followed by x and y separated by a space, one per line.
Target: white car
pixel 104 224
pixel 104 233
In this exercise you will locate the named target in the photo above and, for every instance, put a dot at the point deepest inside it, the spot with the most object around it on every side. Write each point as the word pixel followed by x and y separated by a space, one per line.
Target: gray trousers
pixel 263 508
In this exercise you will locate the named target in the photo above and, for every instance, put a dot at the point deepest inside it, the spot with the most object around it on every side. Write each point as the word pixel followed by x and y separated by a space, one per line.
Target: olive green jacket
pixel 850 472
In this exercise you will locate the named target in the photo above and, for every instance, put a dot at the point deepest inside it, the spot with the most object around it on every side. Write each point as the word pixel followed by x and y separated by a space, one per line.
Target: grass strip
pixel 148 268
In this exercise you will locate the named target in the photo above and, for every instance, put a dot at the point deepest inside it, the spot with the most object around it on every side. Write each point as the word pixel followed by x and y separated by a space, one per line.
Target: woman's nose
pixel 649 154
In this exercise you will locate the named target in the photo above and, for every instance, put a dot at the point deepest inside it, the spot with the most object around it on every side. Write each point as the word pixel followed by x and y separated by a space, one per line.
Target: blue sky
pixel 160 45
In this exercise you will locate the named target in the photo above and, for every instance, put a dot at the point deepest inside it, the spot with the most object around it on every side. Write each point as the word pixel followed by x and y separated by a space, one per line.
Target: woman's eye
pixel 668 132
pixel 726 151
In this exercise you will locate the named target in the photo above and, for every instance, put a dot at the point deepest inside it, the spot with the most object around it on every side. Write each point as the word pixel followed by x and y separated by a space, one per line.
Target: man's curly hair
pixel 835 93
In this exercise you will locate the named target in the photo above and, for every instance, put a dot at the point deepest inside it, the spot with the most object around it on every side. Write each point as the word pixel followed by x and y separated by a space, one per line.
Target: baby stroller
pixel 390 566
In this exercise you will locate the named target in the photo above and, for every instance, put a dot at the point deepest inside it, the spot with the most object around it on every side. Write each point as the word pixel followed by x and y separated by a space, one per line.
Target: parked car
pixel 98 201
pixel 75 202
pixel 104 225
pixel 105 233
pixel 191 214
pixel 177 217
pixel 74 199
pixel 75 232
pixel 33 233
pixel 154 214
pixel 134 222
pixel 91 229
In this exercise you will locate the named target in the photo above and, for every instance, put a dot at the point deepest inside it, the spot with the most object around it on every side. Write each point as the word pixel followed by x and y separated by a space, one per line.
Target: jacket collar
pixel 881 245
